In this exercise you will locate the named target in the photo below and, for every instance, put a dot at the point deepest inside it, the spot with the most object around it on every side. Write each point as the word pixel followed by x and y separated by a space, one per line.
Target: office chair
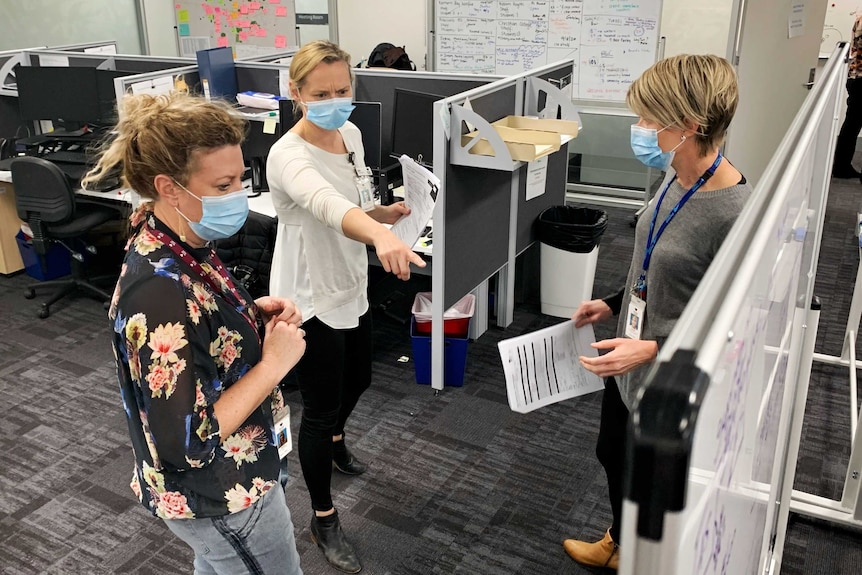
pixel 45 200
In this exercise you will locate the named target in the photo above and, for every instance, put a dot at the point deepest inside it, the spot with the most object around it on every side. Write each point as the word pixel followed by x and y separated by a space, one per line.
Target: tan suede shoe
pixel 603 553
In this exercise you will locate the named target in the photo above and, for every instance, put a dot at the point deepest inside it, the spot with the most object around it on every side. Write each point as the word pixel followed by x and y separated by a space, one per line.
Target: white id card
pixel 635 317
pixel 282 434
pixel 365 187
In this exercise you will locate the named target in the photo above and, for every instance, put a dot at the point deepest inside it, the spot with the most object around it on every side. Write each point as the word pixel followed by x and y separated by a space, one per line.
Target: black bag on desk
pixel 386 55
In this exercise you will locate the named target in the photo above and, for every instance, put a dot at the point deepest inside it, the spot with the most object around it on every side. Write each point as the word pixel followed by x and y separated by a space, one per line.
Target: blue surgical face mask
pixel 222 216
pixel 329 114
pixel 646 149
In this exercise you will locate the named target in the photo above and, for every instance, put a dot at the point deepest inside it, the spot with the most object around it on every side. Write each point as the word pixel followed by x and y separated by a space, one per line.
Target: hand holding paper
pixel 544 367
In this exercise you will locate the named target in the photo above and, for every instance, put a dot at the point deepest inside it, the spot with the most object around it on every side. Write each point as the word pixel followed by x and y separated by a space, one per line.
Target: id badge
pixel 635 317
pixel 282 432
pixel 365 187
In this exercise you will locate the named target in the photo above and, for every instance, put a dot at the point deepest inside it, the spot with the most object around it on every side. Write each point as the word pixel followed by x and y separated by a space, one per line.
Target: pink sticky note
pixel 217 28
pixel 243 36
pixel 243 23
pixel 217 10
pixel 275 1
pixel 280 41
pixel 208 9
pixel 243 9
pixel 177 6
pixel 281 11
pixel 254 6
pixel 222 42
pixel 261 32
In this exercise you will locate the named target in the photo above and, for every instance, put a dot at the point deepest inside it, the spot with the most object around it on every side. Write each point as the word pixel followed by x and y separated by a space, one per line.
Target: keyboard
pixel 66 157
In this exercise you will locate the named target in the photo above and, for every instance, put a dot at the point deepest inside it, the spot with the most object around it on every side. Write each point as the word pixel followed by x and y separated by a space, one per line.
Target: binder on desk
pixel 217 72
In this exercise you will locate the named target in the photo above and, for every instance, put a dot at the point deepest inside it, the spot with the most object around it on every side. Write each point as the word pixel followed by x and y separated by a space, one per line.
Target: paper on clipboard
pixel 420 193
pixel 542 367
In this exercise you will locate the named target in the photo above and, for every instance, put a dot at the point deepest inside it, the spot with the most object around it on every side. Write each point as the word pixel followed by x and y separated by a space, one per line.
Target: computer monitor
pixel 366 116
pixel 255 149
pixel 69 94
pixel 413 125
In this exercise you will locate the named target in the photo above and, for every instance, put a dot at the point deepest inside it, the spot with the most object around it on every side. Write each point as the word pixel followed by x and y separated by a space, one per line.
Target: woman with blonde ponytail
pixel 198 361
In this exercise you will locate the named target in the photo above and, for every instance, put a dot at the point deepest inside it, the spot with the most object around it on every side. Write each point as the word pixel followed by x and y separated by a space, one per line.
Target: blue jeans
pixel 257 540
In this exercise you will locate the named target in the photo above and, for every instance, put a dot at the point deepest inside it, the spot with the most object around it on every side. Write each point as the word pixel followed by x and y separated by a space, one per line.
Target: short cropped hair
pixel 687 88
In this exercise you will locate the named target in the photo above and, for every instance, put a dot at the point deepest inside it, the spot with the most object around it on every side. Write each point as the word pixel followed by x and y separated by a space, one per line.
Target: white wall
pixel 362 24
pixel 54 23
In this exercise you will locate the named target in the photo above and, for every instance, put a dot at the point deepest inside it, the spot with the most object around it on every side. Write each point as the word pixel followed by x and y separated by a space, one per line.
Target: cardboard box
pixel 526 138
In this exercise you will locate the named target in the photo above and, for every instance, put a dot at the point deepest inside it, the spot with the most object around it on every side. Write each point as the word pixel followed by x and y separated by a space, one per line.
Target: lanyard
pixel 217 279
pixel 652 241
pixel 639 288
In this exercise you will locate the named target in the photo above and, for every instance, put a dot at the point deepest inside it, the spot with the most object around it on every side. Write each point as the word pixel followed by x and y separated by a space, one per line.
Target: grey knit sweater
pixel 679 261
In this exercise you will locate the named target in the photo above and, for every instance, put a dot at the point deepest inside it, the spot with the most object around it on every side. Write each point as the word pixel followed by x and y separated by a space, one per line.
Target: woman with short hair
pixel 685 104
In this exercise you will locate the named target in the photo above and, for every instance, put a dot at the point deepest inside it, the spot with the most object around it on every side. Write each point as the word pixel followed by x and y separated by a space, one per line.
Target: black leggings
pixel 611 449
pixel 845 145
pixel 333 373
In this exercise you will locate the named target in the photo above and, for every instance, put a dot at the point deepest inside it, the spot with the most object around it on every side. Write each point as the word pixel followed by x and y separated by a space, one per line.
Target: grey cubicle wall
pixel 126 62
pixel 378 85
pixel 477 205
pixel 477 211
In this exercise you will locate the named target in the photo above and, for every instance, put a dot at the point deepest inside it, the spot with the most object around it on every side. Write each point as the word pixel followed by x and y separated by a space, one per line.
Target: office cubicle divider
pixel 379 84
pixel 482 217
pixel 715 431
pixel 125 62
pixel 102 47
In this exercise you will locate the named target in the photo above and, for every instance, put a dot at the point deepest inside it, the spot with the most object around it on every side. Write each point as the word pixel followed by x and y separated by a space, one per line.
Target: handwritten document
pixel 542 367
pixel 420 193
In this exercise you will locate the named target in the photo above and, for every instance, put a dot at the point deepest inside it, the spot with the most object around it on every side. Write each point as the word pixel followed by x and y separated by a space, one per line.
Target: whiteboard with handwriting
pixel 611 41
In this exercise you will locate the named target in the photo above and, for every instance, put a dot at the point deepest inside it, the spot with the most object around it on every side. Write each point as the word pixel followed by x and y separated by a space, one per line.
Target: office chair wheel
pixel 29 293
pixel 44 312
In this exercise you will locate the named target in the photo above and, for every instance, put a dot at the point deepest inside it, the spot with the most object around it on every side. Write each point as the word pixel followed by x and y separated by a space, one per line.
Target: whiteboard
pixel 838 27
pixel 611 41
pixel 250 27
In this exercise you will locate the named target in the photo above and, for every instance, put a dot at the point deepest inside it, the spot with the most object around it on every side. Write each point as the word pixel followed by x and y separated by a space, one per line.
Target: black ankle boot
pixel 345 461
pixel 327 534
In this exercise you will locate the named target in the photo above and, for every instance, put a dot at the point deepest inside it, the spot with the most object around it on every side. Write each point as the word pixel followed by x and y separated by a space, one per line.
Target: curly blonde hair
pixel 165 134
pixel 686 88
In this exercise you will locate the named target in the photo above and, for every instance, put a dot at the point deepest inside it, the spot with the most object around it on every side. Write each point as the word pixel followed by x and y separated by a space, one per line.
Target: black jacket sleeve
pixel 615 301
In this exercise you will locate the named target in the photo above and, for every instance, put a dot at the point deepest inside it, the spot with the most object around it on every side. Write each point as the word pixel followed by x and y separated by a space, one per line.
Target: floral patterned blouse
pixel 179 344
pixel 855 69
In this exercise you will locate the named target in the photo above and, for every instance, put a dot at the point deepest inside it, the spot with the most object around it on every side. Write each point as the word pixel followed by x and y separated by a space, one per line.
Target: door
pixel 773 69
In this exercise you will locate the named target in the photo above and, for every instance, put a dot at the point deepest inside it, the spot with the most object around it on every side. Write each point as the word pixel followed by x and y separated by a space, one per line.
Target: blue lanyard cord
pixel 652 241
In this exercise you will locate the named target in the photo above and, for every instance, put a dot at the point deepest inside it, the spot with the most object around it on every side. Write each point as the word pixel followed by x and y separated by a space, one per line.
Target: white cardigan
pixel 324 272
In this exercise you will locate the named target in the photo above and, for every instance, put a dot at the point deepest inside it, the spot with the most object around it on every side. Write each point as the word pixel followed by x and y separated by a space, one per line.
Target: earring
pixel 180 228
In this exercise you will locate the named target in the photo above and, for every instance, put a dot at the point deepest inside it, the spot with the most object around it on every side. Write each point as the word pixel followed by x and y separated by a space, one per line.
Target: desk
pixel 10 256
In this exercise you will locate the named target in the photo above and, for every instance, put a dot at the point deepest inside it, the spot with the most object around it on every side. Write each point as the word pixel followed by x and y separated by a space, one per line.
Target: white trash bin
pixel 569 238
pixel 566 279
